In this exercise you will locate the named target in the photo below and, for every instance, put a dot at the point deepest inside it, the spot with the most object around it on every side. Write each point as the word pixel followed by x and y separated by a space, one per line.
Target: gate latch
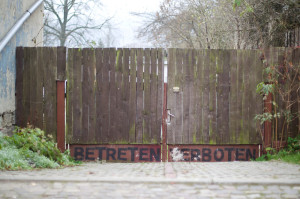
pixel 170 115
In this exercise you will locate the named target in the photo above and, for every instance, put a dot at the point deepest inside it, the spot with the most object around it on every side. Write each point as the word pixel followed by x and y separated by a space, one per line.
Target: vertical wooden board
pixel 69 97
pixel 88 95
pixel 132 97
pixel 112 96
pixel 85 97
pixel 147 100
pixel 258 98
pixel 50 75
pixel 206 86
pixel 125 95
pixel 213 134
pixel 220 96
pixel 198 76
pixel 26 86
pixel 160 62
pixel 39 88
pixel 171 96
pixel 234 95
pixel 120 119
pixel 186 96
pixel 252 96
pixel 20 119
pixel 187 87
pixel 194 98
pixel 155 131
pixel 242 136
pixel 33 89
pixel 77 95
pixel 223 70
pixel 61 62
pixel 178 108
pixel 99 133
pixel 105 105
pixel 119 106
pixel 139 94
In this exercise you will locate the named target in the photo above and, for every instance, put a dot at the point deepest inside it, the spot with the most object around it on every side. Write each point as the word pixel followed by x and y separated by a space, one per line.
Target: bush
pixel 290 154
pixel 30 148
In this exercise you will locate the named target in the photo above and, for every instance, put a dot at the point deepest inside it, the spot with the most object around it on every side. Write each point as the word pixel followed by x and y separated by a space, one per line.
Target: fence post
pixel 60 85
pixel 268 124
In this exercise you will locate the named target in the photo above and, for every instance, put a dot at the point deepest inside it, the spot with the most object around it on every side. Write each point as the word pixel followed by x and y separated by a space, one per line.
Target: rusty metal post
pixel 268 125
pixel 60 86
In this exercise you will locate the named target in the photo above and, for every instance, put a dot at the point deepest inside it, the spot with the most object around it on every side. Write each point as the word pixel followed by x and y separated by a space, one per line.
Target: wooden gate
pixel 114 96
pixel 114 102
pixel 212 95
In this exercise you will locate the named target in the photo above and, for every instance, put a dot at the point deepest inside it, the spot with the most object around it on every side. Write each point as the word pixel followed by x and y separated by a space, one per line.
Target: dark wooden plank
pixel 193 107
pixel 258 98
pixel 50 75
pixel 121 133
pixel 185 97
pixel 199 75
pixel 33 89
pixel 69 97
pixel 139 94
pixel 155 132
pixel 171 96
pixel 178 108
pixel 194 98
pixel 112 96
pixel 252 103
pixel 39 88
pixel 132 97
pixel 187 84
pixel 26 86
pixel 213 134
pixel 243 137
pixel 77 95
pixel 125 95
pixel 223 83
pixel 119 106
pixel 160 69
pixel 99 132
pixel 20 119
pixel 147 99
pixel 88 96
pixel 61 62
pixel 206 97
pixel 234 95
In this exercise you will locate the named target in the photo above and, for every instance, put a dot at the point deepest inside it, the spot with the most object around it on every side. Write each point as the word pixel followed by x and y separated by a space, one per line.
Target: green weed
pixel 290 154
pixel 29 148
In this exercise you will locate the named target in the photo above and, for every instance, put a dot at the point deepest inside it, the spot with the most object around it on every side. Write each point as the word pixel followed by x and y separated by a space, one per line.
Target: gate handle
pixel 171 114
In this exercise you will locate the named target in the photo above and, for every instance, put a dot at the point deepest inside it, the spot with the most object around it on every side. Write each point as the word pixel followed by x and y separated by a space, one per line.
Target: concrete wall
pixel 10 12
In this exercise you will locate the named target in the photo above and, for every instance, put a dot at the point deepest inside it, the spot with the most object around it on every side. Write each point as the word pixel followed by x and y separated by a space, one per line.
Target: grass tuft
pixel 29 148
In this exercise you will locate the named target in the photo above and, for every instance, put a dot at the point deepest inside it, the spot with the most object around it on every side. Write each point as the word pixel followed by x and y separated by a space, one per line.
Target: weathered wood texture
pixel 216 102
pixel 37 72
pixel 113 96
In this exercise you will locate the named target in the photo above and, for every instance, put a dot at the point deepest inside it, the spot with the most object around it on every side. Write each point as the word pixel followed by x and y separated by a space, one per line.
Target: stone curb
pixel 155 180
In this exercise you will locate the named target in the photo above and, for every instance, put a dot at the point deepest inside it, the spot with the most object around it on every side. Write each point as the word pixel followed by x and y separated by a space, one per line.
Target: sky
pixel 124 24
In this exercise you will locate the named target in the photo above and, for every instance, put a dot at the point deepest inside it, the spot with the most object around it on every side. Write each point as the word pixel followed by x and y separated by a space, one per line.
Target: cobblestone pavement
pixel 156 180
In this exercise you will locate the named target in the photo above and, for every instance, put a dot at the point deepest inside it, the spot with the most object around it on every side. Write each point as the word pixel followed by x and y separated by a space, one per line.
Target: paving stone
pixel 148 180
